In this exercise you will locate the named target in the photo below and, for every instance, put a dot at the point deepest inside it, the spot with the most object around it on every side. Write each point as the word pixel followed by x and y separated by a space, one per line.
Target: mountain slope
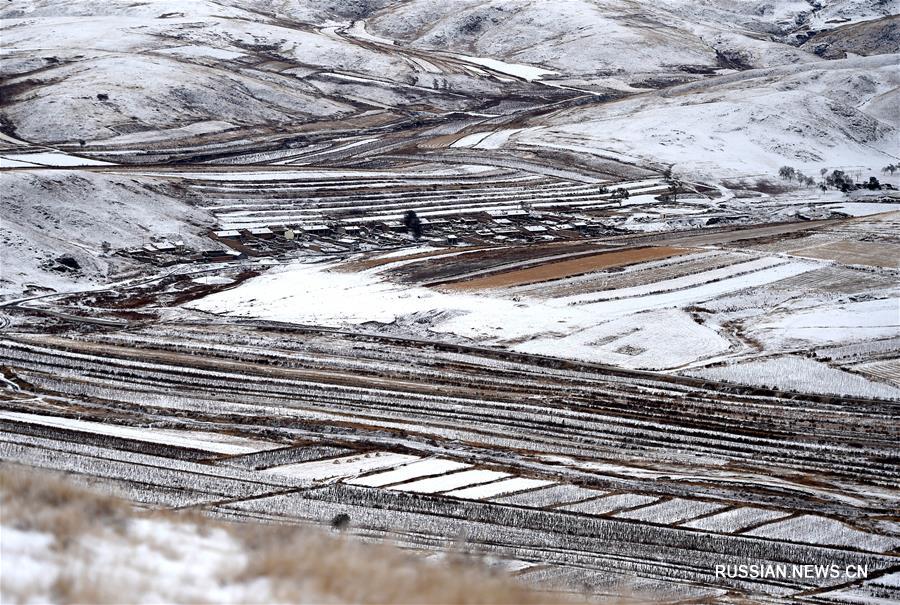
pixel 822 115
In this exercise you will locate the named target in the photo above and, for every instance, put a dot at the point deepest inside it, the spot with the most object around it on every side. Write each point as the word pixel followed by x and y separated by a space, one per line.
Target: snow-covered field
pixel 619 326
pixel 211 442
pixel 451 481
pixel 735 519
pixel 607 504
pixel 407 472
pixel 819 530
pixel 347 466
pixel 798 374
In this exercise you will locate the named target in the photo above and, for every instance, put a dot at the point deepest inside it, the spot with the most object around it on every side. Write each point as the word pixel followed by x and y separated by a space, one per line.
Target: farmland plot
pixel 340 467
pixel 607 504
pixel 820 530
pixel 736 519
pixel 380 421
pixel 671 511
pixel 451 481
pixel 413 470
pixel 551 496
pixel 495 318
pixel 210 442
pixel 499 488
pixel 798 374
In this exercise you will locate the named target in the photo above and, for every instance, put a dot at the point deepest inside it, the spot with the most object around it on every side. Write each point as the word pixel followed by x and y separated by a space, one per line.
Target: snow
pixel 525 72
pixel 499 488
pixel 407 472
pixel 750 123
pixel 609 503
pixel 26 552
pixel 347 466
pixel 650 340
pixel 306 293
pixel 470 140
pixel 212 280
pixel 735 519
pixel 5 162
pixel 407 252
pixel 862 208
pixel 151 560
pixel 274 175
pixel 450 481
pixel 48 213
pixel 822 530
pixel 793 373
pixel 699 287
pixel 200 50
pixel 835 323
pixel 486 140
pixel 49 158
pixel 550 496
pixel 166 135
pixel 671 511
pixel 358 30
pixel 219 443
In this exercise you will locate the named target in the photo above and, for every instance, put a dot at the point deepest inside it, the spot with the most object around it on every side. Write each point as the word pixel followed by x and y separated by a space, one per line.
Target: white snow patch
pixel 407 472
pixel 793 373
pixel 499 488
pixel 451 481
pixel 219 443
pixel 50 159
pixel 518 70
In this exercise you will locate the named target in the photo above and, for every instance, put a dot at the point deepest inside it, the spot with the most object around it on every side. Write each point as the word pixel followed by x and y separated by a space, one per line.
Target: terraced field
pixel 253 199
pixel 578 476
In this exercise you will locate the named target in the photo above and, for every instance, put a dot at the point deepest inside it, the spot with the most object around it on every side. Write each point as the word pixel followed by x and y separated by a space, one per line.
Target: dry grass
pixel 300 561
pixel 291 564
pixel 46 502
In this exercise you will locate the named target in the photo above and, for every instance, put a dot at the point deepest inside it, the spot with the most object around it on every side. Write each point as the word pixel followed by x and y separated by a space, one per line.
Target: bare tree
pixel 787 173
pixel 412 222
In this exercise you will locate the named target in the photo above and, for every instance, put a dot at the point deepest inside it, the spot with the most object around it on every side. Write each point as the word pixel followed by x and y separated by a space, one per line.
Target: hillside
pixel 126 68
pixel 839 113
pixel 83 217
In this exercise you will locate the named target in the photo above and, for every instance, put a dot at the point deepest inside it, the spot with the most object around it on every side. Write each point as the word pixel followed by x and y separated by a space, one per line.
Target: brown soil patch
pixel 567 268
pixel 873 254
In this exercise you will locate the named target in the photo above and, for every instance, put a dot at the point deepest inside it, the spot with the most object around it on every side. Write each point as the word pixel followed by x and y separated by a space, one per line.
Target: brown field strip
pixel 371 263
pixel 851 252
pixel 567 268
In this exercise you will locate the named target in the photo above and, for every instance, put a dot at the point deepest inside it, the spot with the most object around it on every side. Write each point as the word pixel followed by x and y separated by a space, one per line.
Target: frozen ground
pixel 691 310
pixel 221 444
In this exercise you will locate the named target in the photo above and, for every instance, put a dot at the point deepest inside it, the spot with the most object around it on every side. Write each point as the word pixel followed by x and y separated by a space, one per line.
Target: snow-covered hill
pixel 639 41
pixel 47 215
pixel 124 67
pixel 822 115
